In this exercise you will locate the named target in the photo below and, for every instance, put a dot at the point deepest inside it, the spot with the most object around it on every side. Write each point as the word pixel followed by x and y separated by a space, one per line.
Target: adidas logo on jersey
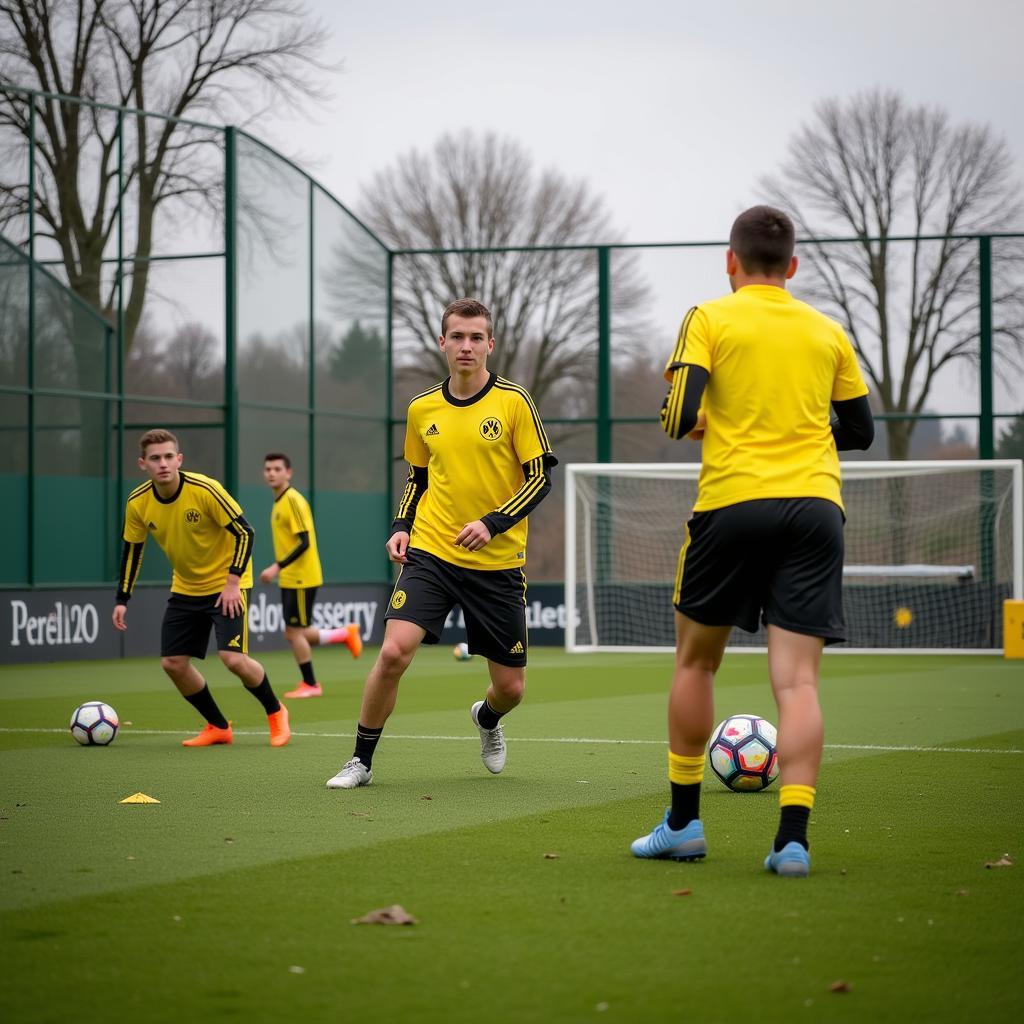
pixel 432 431
pixel 235 641
pixel 516 648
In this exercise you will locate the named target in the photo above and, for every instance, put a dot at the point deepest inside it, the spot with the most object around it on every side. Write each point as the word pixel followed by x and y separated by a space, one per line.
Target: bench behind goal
pixel 933 549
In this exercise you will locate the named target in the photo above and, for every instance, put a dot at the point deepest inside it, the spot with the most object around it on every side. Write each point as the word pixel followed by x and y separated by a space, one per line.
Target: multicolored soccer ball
pixel 460 652
pixel 94 724
pixel 742 753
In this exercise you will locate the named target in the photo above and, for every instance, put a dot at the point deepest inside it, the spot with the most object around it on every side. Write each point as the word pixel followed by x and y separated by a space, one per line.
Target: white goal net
pixel 933 549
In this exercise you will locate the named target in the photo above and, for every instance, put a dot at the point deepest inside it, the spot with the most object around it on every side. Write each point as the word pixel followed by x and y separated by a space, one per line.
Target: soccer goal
pixel 933 549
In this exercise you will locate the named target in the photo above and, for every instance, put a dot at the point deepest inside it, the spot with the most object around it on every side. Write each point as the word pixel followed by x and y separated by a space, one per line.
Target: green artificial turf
pixel 233 897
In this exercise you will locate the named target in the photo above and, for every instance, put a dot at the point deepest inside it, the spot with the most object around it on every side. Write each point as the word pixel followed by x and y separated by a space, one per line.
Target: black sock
pixel 308 677
pixel 792 826
pixel 204 703
pixel 487 717
pixel 366 743
pixel 685 804
pixel 265 695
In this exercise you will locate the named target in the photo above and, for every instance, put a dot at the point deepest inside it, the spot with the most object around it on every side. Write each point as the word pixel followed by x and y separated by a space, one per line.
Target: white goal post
pixel 933 549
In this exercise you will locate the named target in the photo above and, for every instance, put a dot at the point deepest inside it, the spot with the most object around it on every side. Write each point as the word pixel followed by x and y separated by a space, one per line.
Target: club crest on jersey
pixel 192 516
pixel 398 599
pixel 490 428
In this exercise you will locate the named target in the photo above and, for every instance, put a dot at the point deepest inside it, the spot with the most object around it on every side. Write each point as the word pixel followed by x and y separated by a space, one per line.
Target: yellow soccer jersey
pixel 192 527
pixel 473 450
pixel 775 366
pixel 292 516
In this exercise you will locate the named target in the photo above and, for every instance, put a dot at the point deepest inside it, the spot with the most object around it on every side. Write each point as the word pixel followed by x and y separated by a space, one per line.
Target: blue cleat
pixel 685 844
pixel 792 861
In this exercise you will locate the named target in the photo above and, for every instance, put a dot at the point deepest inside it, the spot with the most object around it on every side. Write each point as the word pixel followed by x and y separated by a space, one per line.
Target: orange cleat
pixel 354 642
pixel 280 732
pixel 305 690
pixel 210 736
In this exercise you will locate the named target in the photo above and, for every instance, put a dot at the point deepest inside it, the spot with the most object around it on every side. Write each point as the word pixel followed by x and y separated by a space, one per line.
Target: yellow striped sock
pixel 685 771
pixel 798 796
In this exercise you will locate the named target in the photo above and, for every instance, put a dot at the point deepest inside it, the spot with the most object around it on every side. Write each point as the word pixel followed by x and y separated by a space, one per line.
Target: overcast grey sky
pixel 671 111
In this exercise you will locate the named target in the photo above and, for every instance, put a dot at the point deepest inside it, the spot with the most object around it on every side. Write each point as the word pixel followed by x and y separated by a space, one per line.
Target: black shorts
pixel 777 560
pixel 187 622
pixel 297 604
pixel 493 603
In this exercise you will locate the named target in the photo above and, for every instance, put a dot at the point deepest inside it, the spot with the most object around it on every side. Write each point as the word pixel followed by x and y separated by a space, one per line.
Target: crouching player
pixel 208 543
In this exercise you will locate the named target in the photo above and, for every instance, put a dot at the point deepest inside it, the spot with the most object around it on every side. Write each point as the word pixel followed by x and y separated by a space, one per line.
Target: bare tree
pixel 874 167
pixel 178 58
pixel 475 192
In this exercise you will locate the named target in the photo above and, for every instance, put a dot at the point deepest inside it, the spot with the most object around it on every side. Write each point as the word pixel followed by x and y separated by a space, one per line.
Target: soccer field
pixel 233 897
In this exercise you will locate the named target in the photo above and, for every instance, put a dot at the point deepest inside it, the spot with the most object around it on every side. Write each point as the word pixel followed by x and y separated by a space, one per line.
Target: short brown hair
pixel 157 436
pixel 466 308
pixel 278 457
pixel 763 239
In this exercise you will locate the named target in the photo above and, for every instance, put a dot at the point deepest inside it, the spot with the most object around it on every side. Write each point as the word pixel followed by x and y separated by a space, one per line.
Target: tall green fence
pixel 274 320
pixel 264 327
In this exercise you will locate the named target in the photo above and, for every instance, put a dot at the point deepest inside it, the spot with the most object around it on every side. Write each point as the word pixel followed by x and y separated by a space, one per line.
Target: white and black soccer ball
pixel 460 652
pixel 742 753
pixel 94 724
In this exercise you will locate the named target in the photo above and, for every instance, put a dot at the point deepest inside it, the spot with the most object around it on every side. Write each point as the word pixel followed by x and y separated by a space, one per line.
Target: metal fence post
pixel 30 361
pixel 119 328
pixel 605 513
pixel 986 422
pixel 389 396
pixel 230 310
pixel 604 355
pixel 311 388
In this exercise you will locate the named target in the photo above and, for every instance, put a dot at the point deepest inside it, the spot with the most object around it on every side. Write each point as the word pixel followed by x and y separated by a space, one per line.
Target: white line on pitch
pixel 563 739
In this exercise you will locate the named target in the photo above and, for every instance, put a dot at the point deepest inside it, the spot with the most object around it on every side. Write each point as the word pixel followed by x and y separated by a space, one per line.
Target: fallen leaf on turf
pixel 395 914
pixel 426 798
pixel 131 856
pixel 681 892
pixel 551 856
pixel 1003 862
pixel 963 892
pixel 359 814
pixel 840 986
pixel 295 969
pixel 228 840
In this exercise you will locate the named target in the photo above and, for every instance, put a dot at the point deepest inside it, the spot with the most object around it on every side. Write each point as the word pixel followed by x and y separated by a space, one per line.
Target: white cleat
pixel 492 742
pixel 353 775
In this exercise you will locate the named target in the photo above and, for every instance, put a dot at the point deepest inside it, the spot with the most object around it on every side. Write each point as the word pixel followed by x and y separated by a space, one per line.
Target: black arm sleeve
pixel 854 426
pixel 533 491
pixel 679 410
pixel 243 534
pixel 300 549
pixel 131 563
pixel 415 486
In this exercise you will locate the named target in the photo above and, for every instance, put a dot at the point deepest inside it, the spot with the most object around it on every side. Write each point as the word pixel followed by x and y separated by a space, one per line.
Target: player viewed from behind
pixel 754 374
pixel 208 543
pixel 297 569
pixel 479 463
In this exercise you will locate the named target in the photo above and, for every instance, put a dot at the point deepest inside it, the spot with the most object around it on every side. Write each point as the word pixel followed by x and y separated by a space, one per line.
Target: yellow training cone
pixel 139 798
